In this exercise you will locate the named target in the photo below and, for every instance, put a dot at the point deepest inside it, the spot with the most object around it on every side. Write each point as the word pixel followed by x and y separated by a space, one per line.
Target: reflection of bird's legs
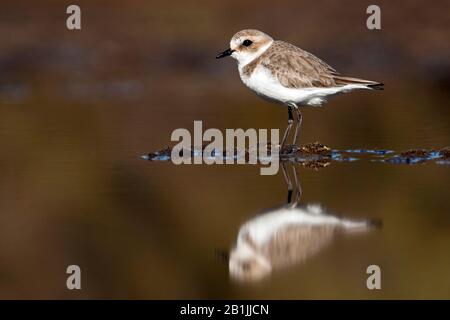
pixel 298 187
pixel 288 181
pixel 292 201
pixel 297 127
pixel 288 128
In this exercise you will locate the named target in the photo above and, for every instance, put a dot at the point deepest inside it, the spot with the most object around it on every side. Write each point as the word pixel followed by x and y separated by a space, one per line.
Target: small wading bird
pixel 281 72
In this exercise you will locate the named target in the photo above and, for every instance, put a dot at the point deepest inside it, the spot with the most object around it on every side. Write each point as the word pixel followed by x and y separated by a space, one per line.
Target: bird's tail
pixel 343 80
pixel 362 225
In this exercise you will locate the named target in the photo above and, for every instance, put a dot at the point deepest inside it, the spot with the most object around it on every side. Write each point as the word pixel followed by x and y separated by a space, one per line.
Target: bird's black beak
pixel 224 54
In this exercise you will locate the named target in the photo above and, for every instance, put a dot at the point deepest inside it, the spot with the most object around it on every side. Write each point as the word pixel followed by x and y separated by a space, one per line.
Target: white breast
pixel 264 84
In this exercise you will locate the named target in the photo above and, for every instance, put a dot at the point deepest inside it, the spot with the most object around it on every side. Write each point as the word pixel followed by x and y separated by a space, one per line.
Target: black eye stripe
pixel 247 42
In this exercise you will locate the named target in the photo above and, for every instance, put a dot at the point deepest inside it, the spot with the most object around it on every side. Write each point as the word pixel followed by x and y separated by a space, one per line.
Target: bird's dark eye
pixel 247 42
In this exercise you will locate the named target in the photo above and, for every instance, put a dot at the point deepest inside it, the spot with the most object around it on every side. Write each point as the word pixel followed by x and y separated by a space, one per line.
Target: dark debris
pixel 317 155
pixel 315 148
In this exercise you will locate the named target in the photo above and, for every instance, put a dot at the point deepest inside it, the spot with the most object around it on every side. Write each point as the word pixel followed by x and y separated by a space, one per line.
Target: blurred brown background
pixel 78 108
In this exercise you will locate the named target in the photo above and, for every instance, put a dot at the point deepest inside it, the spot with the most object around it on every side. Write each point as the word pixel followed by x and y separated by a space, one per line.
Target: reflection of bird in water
pixel 285 236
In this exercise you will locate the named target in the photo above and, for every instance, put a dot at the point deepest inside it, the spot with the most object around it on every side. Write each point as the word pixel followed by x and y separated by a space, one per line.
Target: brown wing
pixel 296 68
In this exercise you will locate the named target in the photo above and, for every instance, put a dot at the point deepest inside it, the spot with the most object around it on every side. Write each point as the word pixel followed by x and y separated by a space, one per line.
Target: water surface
pixel 78 110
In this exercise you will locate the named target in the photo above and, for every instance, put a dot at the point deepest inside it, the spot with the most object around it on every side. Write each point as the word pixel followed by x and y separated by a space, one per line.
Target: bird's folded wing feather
pixel 296 68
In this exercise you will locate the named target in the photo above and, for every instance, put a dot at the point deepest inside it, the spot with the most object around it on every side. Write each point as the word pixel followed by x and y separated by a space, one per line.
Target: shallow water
pixel 76 191
pixel 400 190
pixel 77 112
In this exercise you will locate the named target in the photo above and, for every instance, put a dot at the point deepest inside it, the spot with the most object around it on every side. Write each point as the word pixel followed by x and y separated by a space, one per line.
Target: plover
pixel 283 73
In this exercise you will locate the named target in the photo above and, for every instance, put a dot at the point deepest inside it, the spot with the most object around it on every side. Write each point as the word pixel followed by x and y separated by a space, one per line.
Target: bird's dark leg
pixel 297 127
pixel 288 128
